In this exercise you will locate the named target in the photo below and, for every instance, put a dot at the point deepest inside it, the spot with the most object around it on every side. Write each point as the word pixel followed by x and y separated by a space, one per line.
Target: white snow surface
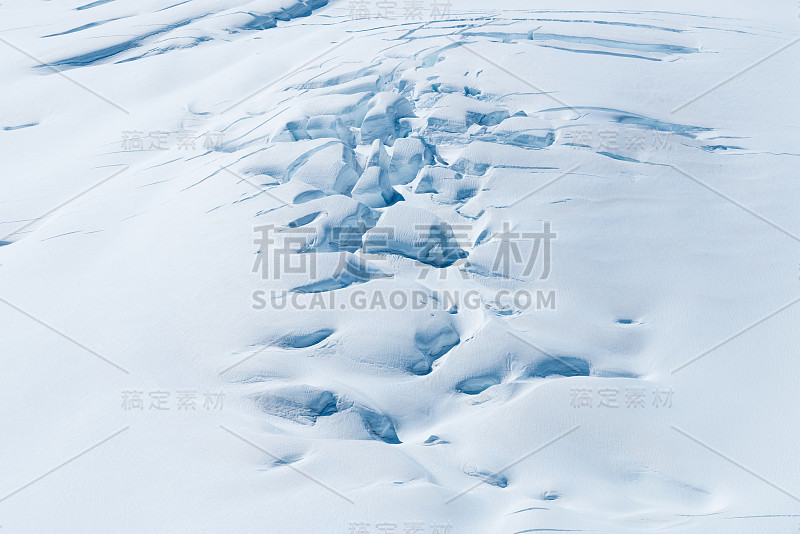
pixel 146 146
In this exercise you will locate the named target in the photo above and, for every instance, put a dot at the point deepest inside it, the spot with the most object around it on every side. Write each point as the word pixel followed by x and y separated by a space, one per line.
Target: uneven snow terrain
pixel 399 267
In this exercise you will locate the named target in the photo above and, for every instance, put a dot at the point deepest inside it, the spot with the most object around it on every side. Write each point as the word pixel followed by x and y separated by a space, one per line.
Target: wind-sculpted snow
pixel 184 27
pixel 383 118
pixel 332 275
pixel 305 405
pixel 414 233
pixel 409 155
pixel 374 188
pixel 443 269
pixel 456 113
pixel 431 149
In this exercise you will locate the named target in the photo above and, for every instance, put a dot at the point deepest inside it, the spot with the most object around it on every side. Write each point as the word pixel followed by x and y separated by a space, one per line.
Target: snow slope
pixel 296 266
